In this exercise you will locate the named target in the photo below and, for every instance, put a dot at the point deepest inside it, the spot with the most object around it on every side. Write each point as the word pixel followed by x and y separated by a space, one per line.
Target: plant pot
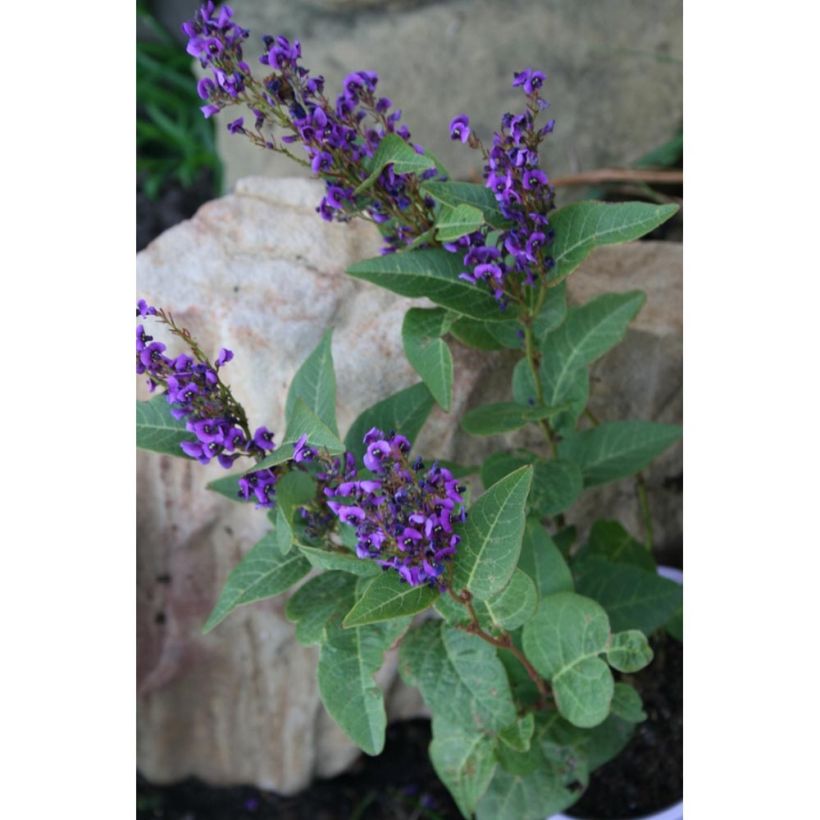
pixel 674 812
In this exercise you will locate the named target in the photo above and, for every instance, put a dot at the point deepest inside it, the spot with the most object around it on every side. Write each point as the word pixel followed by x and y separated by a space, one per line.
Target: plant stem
pixel 504 641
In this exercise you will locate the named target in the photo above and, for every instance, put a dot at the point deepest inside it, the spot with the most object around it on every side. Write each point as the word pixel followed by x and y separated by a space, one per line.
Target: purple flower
pixel 235 126
pixel 301 451
pixel 530 79
pixel 209 110
pixel 460 128
pixel 263 439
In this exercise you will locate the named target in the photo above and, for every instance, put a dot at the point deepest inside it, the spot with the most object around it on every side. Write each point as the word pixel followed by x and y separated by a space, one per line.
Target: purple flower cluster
pixel 338 137
pixel 404 514
pixel 522 191
pixel 195 393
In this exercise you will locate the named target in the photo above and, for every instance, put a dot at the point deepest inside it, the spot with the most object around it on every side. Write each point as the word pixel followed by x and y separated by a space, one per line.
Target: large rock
pixel 260 273
pixel 614 66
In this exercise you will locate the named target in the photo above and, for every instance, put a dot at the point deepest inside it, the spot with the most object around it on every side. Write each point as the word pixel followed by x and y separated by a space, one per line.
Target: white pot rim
pixel 673 812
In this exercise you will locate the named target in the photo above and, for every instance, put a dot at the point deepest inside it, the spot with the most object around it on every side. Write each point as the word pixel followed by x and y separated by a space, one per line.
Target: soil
pixel 399 784
pixel 648 774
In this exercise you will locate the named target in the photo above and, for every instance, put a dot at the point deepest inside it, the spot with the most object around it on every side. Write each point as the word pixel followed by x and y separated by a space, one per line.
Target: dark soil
pixel 400 784
pixel 648 774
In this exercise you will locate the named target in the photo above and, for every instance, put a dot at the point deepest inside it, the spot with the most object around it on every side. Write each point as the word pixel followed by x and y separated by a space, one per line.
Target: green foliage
pixel 519 734
pixel 629 651
pixel 491 419
pixel 563 642
pixel 627 704
pixel 174 140
pixel 312 605
pixel 543 562
pixel 632 597
pixel 474 333
pixel 428 353
pixel 582 226
pixel 515 604
pixel 315 384
pixel 158 430
pixel 491 538
pixel 348 660
pixel 553 311
pixel 388 596
pixel 404 412
pixel 393 150
pixel 609 540
pixel 453 223
pixel 453 194
pixel 431 273
pixel 585 335
pixel 227 487
pixel 458 675
pixel 556 486
pixel 616 449
pixel 339 560
pixel 262 573
pixel 464 760
pixel 303 422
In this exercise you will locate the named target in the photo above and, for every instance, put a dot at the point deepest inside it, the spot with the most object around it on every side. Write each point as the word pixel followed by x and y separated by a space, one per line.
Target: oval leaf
pixel 428 353
pixel 315 384
pixel 629 651
pixel 158 430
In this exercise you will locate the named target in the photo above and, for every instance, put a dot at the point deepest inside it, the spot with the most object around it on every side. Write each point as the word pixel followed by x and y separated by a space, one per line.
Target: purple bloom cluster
pixel 404 514
pixel 195 393
pixel 338 137
pixel 522 191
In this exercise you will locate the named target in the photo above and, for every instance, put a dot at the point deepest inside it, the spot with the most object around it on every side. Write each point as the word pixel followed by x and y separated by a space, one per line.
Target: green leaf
pixel 453 194
pixel 576 396
pixel 523 384
pixel 262 573
pixel 458 675
pixel 404 412
pixel 227 486
pixel 535 795
pixel 388 596
pixel 627 704
pixel 609 540
pixel 490 419
pixel 553 311
pixel 315 384
pixel 344 561
pixel 463 760
pixel 607 740
pixel 629 651
pixel 347 662
pixel 632 597
pixel 294 489
pixel 158 430
pixel 508 334
pixel 616 449
pixel 563 642
pixel 314 603
pixel 582 226
pixel 518 735
pixel 543 562
pixel 491 538
pixel 283 531
pixel 587 333
pixel 304 422
pixel 428 353
pixel 393 150
pixel 556 486
pixel 496 466
pixel 431 273
pixel 475 334
pixel 453 223
pixel 516 603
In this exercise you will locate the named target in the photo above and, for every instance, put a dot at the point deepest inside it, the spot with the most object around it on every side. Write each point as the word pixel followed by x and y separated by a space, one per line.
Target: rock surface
pixel 614 66
pixel 260 273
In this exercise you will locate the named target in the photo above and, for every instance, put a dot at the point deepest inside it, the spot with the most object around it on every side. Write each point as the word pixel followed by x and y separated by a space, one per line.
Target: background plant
pixel 530 637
